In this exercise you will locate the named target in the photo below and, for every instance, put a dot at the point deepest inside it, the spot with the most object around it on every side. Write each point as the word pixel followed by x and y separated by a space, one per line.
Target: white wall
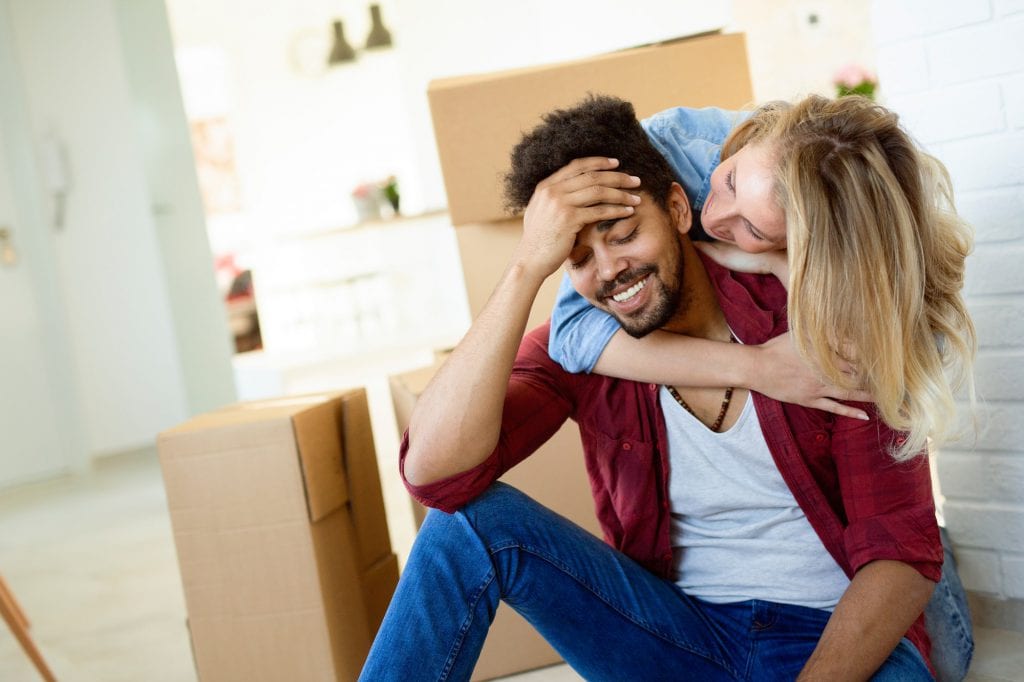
pixel 305 136
pixel 796 46
pixel 955 72
pixel 49 330
pixel 201 331
pixel 127 371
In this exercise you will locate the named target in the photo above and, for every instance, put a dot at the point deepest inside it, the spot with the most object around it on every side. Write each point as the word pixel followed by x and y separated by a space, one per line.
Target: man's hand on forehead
pixel 581 193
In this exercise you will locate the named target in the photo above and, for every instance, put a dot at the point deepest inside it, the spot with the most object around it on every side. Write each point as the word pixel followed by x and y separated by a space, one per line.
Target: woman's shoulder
pixel 710 124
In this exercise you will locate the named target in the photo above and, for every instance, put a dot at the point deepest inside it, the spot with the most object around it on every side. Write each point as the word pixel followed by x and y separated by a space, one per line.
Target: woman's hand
pixel 583 192
pixel 773 368
pixel 734 258
pixel 780 373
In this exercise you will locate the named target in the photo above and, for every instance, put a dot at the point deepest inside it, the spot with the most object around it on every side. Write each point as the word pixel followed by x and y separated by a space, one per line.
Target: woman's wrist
pixel 743 366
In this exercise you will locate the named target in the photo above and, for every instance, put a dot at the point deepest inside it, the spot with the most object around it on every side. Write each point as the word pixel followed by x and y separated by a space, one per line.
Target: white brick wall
pixel 969 54
pixel 954 70
pixel 1009 6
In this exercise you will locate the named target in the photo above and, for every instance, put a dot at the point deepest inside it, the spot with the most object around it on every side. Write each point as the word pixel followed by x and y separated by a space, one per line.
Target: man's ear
pixel 679 209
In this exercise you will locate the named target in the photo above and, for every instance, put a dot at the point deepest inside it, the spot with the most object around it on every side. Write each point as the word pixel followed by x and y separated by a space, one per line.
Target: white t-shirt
pixel 737 531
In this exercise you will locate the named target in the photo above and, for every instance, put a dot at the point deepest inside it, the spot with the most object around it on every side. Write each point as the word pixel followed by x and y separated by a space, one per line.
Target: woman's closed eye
pixel 728 182
pixel 753 232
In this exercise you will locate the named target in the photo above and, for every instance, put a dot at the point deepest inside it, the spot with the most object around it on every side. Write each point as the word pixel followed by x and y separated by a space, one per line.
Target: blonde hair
pixel 876 256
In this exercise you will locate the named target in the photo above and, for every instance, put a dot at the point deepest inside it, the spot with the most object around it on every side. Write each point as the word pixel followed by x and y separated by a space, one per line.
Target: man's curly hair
pixel 600 125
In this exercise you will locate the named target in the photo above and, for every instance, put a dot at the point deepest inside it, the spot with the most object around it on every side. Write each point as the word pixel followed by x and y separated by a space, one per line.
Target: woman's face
pixel 741 207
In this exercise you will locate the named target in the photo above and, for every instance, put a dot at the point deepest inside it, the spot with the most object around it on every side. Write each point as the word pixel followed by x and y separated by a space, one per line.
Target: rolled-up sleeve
pixel 536 405
pixel 889 505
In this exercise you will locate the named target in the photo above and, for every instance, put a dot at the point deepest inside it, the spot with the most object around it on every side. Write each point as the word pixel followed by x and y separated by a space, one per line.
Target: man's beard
pixel 666 301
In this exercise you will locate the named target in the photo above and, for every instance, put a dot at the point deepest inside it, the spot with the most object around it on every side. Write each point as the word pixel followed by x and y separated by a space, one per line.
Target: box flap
pixel 250 411
pixel 365 494
pixel 230 477
pixel 318 434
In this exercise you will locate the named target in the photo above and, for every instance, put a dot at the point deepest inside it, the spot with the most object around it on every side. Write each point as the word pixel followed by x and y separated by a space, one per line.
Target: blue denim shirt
pixel 691 141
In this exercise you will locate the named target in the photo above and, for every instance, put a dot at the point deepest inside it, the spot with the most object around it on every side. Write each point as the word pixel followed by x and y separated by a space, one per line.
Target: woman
pixel 859 223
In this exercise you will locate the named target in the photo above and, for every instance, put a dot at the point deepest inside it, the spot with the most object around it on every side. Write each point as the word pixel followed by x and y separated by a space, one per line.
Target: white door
pixel 30 441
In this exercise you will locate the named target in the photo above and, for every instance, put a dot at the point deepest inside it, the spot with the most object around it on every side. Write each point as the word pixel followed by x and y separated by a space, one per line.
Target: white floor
pixel 91 560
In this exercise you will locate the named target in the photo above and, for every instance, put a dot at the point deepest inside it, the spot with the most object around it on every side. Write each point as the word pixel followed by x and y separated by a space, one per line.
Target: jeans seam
pixel 457 644
pixel 959 627
pixel 751 657
pixel 554 561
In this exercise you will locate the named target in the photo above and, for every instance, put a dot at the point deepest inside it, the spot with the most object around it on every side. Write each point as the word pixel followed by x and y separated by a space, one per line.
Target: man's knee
pixel 496 496
pixel 499 509
pixel 497 517
pixel 482 516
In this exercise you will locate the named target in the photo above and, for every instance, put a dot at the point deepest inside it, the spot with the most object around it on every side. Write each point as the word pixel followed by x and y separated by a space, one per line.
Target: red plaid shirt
pixel 862 505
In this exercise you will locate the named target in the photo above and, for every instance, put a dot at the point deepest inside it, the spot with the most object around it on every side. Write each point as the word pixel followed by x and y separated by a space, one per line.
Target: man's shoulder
pixel 533 351
pixel 535 342
pixel 533 355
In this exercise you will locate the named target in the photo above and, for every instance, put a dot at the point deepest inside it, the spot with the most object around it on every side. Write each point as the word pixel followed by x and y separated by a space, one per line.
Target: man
pixel 746 539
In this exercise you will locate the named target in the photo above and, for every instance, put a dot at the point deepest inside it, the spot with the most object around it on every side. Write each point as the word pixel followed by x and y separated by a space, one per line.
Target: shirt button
pixel 819 438
pixel 653 387
pixel 900 440
pixel 627 446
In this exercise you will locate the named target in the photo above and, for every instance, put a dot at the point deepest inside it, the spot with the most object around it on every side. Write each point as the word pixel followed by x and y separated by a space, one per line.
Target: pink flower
pixel 853 75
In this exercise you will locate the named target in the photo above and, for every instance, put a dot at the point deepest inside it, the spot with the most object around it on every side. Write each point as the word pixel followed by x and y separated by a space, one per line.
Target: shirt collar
pixel 754 305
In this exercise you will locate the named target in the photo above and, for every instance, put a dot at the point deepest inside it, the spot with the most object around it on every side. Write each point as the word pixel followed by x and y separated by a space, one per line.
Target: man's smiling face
pixel 633 268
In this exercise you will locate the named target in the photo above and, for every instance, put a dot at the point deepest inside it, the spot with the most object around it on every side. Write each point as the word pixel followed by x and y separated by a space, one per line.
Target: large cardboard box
pixel 478 119
pixel 279 524
pixel 484 249
pixel 556 477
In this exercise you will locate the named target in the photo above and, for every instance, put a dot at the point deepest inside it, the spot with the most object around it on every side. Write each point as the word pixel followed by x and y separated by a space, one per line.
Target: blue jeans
pixel 610 618
pixel 948 621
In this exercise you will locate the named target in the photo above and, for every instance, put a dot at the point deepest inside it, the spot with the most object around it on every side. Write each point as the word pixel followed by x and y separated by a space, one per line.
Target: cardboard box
pixel 279 524
pixel 478 119
pixel 484 249
pixel 556 477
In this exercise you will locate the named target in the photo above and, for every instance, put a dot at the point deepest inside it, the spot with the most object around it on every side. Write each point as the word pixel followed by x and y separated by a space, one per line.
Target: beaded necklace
pixel 721 413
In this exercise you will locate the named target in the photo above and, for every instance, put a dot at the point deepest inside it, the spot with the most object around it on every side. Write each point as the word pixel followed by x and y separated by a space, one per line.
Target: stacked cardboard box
pixel 477 121
pixel 282 541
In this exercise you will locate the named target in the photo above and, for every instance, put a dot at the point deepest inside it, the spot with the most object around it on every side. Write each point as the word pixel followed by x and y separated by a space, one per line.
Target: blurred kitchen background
pixel 203 201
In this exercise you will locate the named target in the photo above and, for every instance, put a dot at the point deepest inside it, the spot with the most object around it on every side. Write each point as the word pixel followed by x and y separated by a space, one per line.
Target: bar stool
pixel 18 623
